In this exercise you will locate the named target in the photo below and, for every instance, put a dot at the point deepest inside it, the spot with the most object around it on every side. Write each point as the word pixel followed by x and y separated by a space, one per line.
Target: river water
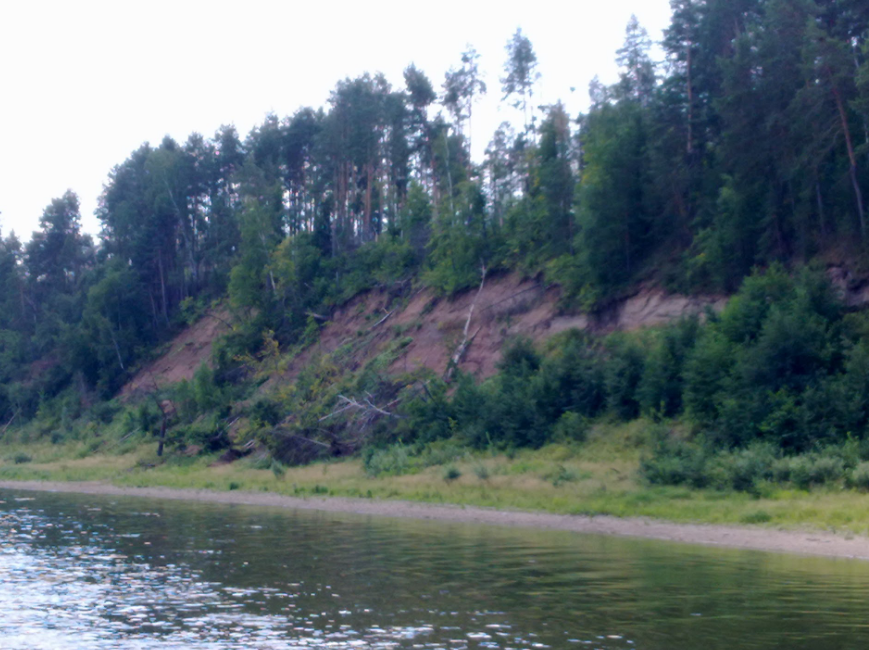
pixel 108 572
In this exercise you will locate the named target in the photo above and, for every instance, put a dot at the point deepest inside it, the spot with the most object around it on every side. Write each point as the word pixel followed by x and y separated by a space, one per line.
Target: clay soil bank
pixel 761 539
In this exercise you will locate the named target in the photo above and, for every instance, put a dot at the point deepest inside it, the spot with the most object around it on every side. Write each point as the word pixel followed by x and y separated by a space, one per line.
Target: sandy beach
pixel 755 538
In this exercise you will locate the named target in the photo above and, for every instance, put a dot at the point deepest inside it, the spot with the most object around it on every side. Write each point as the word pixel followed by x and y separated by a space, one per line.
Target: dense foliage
pixel 782 372
pixel 746 148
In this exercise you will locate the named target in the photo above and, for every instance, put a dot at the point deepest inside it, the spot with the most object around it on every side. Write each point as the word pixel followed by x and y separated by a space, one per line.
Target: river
pixel 112 572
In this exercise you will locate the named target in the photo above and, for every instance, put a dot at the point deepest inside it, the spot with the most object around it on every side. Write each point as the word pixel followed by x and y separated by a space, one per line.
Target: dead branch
pixel 319 317
pixel 341 410
pixel 219 319
pixel 301 437
pixel 466 341
pixel 8 424
pixel 383 320
pixel 368 405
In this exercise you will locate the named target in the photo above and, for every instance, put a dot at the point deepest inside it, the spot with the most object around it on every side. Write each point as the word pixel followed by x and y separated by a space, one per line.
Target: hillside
pixel 184 355
pixel 505 307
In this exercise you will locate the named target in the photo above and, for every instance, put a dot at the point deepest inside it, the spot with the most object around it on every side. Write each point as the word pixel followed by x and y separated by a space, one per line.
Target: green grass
pixel 598 477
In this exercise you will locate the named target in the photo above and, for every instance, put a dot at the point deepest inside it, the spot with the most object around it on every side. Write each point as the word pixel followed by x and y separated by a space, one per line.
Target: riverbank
pixel 590 487
pixel 761 539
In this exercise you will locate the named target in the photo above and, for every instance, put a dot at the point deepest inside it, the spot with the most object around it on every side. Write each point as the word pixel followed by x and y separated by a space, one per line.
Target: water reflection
pixel 84 572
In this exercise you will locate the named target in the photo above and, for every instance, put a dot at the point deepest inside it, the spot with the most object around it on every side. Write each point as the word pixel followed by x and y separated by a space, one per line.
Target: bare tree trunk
pixel 117 349
pixel 820 201
pixel 858 194
pixel 189 241
pixel 456 359
pixel 690 104
pixel 162 437
pixel 449 175
pixel 163 288
pixel 368 182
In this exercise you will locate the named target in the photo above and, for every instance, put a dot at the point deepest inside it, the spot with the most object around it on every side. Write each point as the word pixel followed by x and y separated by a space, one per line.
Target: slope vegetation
pixel 434 328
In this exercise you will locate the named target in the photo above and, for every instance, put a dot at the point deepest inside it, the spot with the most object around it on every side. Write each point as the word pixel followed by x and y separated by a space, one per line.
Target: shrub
pixel 389 461
pixel 675 463
pixel 743 470
pixel 105 412
pixel 561 475
pixel 206 432
pixel 827 469
pixel 265 412
pixel 277 468
pixel 661 386
pixel 440 453
pixel 624 369
pixel 801 472
pixel 21 458
pixel 809 469
pixel 451 473
pixel 756 517
pixel 570 426
pixel 858 478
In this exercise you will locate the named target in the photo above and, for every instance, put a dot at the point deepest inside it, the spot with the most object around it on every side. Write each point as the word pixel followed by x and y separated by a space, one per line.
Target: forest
pixel 737 165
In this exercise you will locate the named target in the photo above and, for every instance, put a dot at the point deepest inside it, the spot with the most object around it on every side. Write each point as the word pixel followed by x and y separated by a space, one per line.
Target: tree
pixel 556 180
pixel 421 96
pixel 613 215
pixel 58 253
pixel 830 88
pixel 637 78
pixel 461 87
pixel 502 169
pixel 221 236
pixel 520 73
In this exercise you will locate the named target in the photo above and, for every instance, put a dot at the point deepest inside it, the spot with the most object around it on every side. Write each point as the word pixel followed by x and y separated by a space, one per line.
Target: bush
pixel 391 461
pixel 206 432
pixel 661 386
pixel 277 468
pixel 265 412
pixel 809 470
pixel 858 478
pixel 743 470
pixel 440 453
pixel 624 369
pixel 827 469
pixel 451 473
pixel 570 426
pixel 105 412
pixel 20 458
pixel 675 463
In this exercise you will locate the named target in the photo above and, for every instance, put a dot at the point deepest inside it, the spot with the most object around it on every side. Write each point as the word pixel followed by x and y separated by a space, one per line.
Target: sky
pixel 83 84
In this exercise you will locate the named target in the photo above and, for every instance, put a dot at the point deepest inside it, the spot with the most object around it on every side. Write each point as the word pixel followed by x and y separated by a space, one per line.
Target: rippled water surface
pixel 87 572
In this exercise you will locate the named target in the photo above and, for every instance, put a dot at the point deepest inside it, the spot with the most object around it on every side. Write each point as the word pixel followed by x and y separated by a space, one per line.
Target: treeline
pixel 775 389
pixel 748 145
pixel 784 363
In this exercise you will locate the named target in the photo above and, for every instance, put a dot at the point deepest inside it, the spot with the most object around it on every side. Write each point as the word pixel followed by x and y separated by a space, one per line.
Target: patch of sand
pixel 187 352
pixel 761 539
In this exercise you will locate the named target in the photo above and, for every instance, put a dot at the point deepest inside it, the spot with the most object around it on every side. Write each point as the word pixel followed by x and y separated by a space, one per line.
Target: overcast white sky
pixel 84 83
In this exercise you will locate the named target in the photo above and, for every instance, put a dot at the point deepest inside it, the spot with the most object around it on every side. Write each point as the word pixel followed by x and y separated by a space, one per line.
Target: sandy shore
pixel 755 538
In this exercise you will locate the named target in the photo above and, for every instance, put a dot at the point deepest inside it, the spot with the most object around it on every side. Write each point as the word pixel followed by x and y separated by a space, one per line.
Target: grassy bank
pixel 599 476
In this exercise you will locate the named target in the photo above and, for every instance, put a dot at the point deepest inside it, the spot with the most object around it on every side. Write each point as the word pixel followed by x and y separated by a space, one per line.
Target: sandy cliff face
pixel 185 353
pixel 432 329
